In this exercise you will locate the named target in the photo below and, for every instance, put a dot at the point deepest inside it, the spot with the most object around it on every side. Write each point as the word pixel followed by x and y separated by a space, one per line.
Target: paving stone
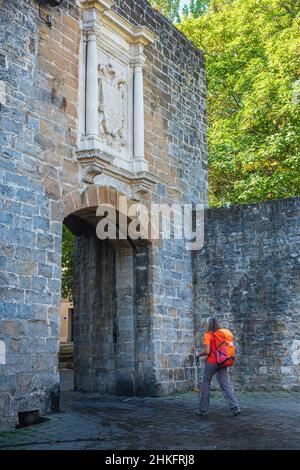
pixel 91 421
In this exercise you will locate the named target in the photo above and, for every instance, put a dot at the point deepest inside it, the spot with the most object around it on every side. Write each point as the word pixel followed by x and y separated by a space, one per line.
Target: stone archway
pixel 113 351
pixel 92 196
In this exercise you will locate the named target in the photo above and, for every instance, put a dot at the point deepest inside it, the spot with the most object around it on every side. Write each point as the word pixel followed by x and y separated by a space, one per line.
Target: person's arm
pixel 205 351
pixel 206 342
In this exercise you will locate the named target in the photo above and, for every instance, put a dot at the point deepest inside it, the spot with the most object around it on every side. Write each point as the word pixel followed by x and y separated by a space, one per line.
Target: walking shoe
pixel 202 413
pixel 236 412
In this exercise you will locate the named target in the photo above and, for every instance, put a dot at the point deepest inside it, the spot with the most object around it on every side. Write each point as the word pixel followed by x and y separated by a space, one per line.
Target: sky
pixel 182 3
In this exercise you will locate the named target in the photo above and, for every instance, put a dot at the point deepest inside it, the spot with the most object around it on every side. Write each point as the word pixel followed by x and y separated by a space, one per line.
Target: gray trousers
pixel 222 375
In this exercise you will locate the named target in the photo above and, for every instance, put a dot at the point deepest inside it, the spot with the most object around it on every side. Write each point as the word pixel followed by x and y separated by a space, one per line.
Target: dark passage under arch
pixel 113 351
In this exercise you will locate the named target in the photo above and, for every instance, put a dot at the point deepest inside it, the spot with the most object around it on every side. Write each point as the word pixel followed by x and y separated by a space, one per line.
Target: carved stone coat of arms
pixel 112 107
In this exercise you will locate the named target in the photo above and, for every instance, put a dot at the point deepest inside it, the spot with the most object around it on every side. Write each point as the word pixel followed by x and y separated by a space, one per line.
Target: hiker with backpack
pixel 219 351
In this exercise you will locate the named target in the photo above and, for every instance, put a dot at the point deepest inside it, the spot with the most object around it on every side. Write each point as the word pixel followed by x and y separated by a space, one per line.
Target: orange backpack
pixel 224 349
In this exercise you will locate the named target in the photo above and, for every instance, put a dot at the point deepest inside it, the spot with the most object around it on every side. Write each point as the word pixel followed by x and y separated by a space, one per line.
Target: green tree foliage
pixel 195 8
pixel 67 264
pixel 252 52
pixel 168 8
pixel 185 11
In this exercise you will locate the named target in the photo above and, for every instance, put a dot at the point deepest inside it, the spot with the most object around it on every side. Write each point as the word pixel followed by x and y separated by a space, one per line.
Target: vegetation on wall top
pixel 252 50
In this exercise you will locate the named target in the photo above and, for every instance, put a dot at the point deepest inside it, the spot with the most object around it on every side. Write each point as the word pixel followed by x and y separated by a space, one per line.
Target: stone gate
pixel 107 101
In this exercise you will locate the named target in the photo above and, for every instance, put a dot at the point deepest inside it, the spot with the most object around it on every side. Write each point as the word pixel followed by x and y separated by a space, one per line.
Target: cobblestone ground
pixel 90 421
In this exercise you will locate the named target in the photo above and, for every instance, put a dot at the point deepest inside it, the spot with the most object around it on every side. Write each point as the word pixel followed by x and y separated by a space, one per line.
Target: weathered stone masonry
pixel 42 183
pixel 248 276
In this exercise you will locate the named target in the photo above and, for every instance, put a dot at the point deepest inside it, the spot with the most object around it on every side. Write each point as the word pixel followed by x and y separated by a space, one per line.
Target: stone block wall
pixel 248 276
pixel 35 137
pixel 94 315
pixel 175 147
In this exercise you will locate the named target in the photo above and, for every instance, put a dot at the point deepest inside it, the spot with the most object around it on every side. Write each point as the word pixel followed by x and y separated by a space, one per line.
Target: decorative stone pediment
pixel 111 127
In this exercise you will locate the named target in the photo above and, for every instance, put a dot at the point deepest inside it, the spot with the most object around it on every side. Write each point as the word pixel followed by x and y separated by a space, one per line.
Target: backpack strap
pixel 214 350
pixel 215 336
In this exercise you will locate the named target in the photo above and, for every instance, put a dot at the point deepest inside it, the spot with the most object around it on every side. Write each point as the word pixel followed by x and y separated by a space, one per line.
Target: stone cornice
pixel 133 34
pixel 94 162
pixel 100 5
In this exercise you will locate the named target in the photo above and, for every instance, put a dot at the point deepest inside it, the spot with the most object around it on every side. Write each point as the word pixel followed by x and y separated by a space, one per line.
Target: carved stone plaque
pixel 113 98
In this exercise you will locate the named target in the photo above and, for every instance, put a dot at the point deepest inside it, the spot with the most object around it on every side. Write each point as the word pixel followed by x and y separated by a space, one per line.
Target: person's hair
pixel 213 324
